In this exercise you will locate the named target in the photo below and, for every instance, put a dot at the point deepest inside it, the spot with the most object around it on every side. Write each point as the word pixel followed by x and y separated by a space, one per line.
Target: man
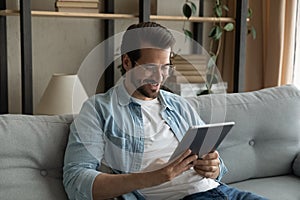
pixel 120 143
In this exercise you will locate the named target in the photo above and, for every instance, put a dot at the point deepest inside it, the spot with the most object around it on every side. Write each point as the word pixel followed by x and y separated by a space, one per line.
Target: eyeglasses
pixel 151 68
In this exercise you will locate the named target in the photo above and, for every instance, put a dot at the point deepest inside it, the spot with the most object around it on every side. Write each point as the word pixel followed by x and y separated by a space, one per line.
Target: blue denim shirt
pixel 109 132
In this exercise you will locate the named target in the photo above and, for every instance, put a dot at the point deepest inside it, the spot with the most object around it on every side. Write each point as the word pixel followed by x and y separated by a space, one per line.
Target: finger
pixel 215 162
pixel 206 168
pixel 185 164
pixel 180 158
pixel 207 174
pixel 191 159
pixel 210 156
pixel 185 155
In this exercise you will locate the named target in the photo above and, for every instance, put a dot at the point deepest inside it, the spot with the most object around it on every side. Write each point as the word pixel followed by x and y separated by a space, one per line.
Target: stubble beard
pixel 143 90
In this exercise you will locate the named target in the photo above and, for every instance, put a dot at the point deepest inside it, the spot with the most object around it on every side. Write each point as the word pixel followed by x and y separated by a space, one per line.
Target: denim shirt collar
pixel 122 94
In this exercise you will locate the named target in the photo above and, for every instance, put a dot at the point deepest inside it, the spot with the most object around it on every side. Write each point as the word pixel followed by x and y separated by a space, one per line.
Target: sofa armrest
pixel 296 165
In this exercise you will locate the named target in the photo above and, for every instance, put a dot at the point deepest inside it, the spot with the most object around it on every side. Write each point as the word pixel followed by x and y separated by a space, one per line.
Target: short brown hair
pixel 150 33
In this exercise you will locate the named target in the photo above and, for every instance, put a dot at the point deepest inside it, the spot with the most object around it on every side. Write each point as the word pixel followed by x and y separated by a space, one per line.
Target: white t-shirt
pixel 160 142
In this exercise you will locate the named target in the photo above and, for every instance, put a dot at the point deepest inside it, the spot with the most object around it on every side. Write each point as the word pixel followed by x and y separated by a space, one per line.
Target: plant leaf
pixel 218 34
pixel 194 7
pixel 187 33
pixel 218 11
pixel 229 27
pixel 212 32
pixel 211 79
pixel 215 79
pixel 253 32
pixel 187 10
pixel 212 61
pixel 250 13
pixel 225 8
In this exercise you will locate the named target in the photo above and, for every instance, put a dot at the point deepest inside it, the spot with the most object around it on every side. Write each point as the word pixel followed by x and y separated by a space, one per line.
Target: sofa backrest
pixel 31 152
pixel 266 137
pixel 264 141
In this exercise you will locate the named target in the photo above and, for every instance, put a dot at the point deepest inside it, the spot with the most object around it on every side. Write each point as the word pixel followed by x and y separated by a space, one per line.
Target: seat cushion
pixel 274 188
pixel 32 151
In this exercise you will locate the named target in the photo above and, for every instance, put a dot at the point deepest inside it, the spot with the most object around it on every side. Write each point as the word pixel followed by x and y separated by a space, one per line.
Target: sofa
pixel 261 152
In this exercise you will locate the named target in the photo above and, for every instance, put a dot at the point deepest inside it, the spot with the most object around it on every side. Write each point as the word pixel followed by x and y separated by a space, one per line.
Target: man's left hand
pixel 208 165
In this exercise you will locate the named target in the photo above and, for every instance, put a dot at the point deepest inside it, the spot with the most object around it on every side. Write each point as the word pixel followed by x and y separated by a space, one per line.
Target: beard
pixel 147 92
pixel 147 87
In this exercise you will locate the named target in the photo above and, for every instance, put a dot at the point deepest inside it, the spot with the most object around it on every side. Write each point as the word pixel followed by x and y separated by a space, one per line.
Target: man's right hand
pixel 175 168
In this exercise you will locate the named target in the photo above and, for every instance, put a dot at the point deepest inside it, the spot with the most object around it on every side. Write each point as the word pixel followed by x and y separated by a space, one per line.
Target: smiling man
pixel 152 69
pixel 120 143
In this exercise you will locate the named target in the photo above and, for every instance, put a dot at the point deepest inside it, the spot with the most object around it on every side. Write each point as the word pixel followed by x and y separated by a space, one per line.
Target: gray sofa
pixel 261 152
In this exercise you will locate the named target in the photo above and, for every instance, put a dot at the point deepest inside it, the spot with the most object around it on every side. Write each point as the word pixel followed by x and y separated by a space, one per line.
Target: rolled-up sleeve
pixel 223 169
pixel 83 154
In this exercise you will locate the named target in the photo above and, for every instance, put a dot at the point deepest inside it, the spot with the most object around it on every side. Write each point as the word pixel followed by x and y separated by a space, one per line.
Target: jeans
pixel 224 192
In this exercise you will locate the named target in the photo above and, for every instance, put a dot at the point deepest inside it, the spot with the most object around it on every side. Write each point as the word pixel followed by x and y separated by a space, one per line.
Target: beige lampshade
pixel 64 94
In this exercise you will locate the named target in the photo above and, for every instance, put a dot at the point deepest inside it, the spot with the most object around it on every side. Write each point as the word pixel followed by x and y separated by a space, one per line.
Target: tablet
pixel 203 139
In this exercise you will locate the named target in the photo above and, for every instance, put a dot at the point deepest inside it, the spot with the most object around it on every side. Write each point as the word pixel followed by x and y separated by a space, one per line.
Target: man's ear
pixel 126 62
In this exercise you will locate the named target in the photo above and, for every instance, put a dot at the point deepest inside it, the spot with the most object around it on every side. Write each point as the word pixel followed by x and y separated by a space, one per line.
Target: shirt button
pixel 43 172
pixel 251 142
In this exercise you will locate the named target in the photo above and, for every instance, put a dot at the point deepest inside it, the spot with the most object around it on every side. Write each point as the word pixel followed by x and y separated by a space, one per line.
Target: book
pixel 202 139
pixel 79 0
pixel 189 67
pixel 78 10
pixel 189 73
pixel 190 58
pixel 189 62
pixel 68 4
pixel 187 79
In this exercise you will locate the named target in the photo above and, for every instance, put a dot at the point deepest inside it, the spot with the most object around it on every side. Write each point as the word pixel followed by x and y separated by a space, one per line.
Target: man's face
pixel 148 73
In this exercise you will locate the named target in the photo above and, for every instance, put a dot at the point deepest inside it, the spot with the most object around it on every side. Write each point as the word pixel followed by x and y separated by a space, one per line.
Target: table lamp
pixel 64 94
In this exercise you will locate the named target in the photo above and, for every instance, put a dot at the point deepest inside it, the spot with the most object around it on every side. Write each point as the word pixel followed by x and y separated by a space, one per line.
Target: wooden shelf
pixel 70 14
pixel 191 19
pixel 117 16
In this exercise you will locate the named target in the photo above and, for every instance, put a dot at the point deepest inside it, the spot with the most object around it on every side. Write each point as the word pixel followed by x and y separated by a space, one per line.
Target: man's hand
pixel 173 169
pixel 103 184
pixel 208 165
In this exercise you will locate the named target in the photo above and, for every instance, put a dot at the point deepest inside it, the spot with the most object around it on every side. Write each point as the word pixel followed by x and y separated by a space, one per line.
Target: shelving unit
pixel 115 16
pixel 109 16
pixel 3 62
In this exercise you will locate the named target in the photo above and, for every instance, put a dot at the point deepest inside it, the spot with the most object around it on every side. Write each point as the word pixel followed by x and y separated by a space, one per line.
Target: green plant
pixel 251 28
pixel 188 9
pixel 215 35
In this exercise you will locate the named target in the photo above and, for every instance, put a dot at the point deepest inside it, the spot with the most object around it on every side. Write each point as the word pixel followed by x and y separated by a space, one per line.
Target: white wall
pixel 59 45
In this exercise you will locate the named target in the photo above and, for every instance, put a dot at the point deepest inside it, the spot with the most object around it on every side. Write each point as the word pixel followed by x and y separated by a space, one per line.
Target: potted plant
pixel 217 31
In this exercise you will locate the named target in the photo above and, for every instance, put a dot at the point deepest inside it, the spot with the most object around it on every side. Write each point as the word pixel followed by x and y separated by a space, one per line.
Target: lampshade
pixel 64 94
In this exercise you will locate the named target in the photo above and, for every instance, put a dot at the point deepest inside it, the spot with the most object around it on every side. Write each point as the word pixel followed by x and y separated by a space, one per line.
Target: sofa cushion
pixel 266 137
pixel 32 151
pixel 296 165
pixel 274 188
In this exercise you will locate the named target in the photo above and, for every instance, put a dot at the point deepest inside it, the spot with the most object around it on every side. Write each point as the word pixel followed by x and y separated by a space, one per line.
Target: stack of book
pixel 189 79
pixel 189 68
pixel 89 6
